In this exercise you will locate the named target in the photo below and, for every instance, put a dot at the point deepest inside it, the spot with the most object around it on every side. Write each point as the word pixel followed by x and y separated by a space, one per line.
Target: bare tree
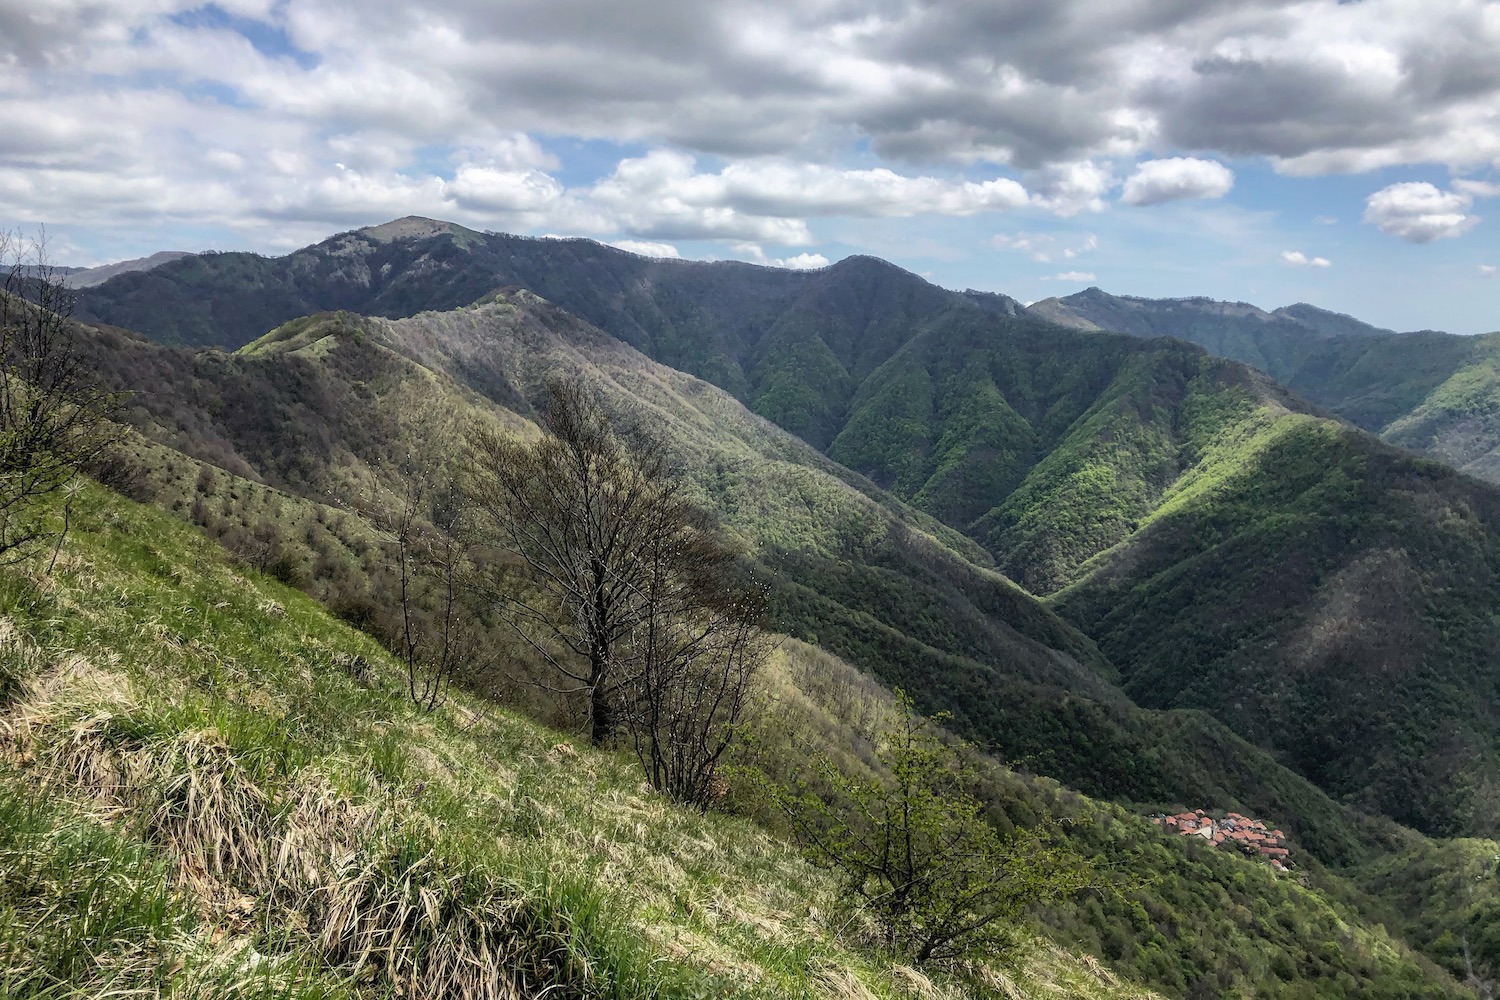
pixel 436 633
pixel 53 414
pixel 697 649
pixel 633 599
pixel 583 508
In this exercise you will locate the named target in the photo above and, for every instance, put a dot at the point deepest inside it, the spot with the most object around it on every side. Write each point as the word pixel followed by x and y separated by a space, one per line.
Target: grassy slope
pixel 147 652
pixel 233 789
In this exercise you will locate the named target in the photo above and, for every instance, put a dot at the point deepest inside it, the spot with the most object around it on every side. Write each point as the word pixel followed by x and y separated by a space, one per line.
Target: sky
pixel 1345 154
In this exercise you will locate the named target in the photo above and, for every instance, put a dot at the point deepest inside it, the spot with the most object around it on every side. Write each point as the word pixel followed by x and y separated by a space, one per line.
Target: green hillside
pixel 1252 607
pixel 793 346
pixel 1328 597
pixel 1429 392
pixel 1445 897
pixel 1216 537
pixel 1231 550
pixel 315 409
pixel 797 347
pixel 211 787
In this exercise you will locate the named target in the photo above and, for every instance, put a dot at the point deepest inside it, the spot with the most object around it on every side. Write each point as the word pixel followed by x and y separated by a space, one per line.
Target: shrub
pixel 917 853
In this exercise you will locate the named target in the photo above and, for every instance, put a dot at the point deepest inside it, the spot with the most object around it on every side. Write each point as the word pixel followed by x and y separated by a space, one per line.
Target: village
pixel 1249 835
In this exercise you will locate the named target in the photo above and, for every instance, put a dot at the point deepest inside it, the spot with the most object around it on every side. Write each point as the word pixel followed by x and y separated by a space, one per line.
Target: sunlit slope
pixel 211 787
pixel 322 407
pixel 1430 392
pixel 1328 597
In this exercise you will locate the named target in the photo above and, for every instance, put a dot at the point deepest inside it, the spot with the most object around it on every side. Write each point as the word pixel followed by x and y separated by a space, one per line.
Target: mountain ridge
pixel 1100 467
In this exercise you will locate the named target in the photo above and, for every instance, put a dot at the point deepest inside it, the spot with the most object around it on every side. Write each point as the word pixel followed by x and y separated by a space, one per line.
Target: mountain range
pixel 1200 536
pixel 1169 553
pixel 1431 392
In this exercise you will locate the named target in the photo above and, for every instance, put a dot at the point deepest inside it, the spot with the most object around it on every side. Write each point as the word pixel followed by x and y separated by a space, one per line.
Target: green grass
pixel 210 756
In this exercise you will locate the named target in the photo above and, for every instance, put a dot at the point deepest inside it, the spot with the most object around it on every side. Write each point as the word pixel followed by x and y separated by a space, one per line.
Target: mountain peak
pixel 413 227
pixel 1326 322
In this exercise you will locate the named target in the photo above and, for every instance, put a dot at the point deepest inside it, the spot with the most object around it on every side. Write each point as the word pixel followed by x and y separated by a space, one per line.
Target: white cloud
pixel 500 190
pixel 1073 276
pixel 1488 270
pixel 112 111
pixel 646 248
pixel 1044 248
pixel 1175 179
pixel 1419 212
pixel 1476 189
pixel 662 194
pixel 801 262
pixel 1325 220
pixel 1297 258
pixel 1067 189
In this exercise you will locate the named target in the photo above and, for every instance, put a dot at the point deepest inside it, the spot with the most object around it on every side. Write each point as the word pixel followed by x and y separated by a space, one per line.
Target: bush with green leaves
pixel 917 851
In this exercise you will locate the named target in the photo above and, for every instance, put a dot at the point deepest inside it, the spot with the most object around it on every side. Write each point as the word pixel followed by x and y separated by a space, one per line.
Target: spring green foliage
pixel 1445 897
pixel 256 729
pixel 918 853
pixel 1186 918
pixel 1083 462
pixel 1228 551
pixel 1336 602
pixel 1431 392
pixel 282 821
pixel 878 583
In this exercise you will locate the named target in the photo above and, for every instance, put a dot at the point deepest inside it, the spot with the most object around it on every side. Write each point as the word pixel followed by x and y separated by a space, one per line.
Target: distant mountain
pixel 88 277
pixel 1435 393
pixel 791 345
pixel 1276 342
pixel 1229 546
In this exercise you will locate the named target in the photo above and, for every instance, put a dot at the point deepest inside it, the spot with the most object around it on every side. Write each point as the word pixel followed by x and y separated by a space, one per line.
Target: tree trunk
pixel 601 719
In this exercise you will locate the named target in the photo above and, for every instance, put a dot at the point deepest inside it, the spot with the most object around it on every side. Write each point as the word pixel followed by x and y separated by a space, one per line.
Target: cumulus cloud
pixel 663 194
pixel 1419 212
pixel 1070 188
pixel 1488 270
pixel 800 262
pixel 647 249
pixel 235 113
pixel 1296 258
pixel 1073 276
pixel 1476 189
pixel 1175 179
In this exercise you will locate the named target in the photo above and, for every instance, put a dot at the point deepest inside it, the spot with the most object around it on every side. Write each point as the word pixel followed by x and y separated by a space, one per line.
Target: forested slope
pixel 1434 393
pixel 315 407
pixel 1092 465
